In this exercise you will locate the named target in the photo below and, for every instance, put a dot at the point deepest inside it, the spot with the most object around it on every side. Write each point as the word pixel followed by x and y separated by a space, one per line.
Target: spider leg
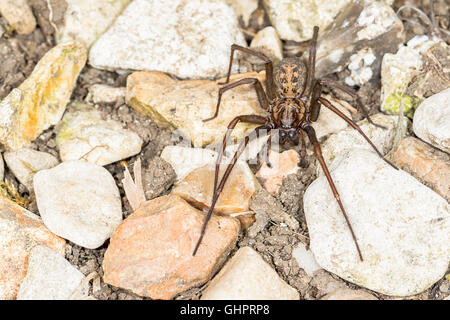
pixel 328 104
pixel 262 98
pixel 315 105
pixel 311 62
pixel 224 179
pixel 302 163
pixel 268 63
pixel 312 137
pixel 331 83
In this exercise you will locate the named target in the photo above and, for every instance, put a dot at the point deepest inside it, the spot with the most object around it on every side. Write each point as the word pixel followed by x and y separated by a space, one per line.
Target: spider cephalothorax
pixel 293 100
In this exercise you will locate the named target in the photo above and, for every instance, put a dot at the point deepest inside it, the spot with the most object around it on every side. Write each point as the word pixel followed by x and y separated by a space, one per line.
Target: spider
pixel 292 100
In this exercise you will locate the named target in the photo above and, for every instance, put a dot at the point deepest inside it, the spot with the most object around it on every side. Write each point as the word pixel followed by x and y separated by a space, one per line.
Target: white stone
pixel 328 121
pixel 25 163
pixel 188 38
pixel 243 8
pixel 402 226
pixel 268 42
pixel 359 66
pixel 295 19
pixel 102 93
pixel 348 294
pixel 79 201
pixel 248 277
pixel 305 259
pixel 2 168
pixel 87 20
pixel 375 19
pixel 432 120
pixel 85 135
pixel 18 14
pixel 349 138
pixel 49 276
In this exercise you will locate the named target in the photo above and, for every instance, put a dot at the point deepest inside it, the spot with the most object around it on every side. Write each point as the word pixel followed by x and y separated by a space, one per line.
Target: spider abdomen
pixel 290 77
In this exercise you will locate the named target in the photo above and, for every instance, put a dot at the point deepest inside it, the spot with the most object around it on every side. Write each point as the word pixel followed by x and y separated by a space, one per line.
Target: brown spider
pixel 293 102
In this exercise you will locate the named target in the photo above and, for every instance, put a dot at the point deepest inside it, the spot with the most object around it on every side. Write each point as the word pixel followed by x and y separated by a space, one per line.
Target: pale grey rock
pixel 18 14
pixel 248 277
pixel 350 138
pixel 295 19
pixel 305 259
pixel 348 294
pixel 25 163
pixel 357 39
pixel 188 38
pixel 49 276
pixel 2 168
pixel 102 93
pixel 268 42
pixel 243 8
pixel 401 225
pixel 87 20
pixel 85 135
pixel 79 201
pixel 432 120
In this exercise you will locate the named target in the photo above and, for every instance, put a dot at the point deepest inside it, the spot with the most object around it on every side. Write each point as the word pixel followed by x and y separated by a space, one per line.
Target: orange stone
pixel 197 188
pixel 151 251
pixel 283 164
pixel 20 231
pixel 429 165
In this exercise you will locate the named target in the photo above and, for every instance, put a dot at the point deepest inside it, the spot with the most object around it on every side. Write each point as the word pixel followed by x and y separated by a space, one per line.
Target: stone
pixel 427 164
pixel 186 159
pixel 328 121
pixel 84 134
pixel 180 37
pixel 348 294
pixel 283 164
pixel 358 39
pixel 157 178
pixel 102 93
pixel 49 276
pixel 87 20
pixel 325 283
pixel 183 105
pixel 268 42
pixel 20 231
pixel 305 259
pixel 397 70
pixel 197 188
pixel 350 138
pixel 401 226
pixel 18 14
pixel 79 201
pixel 432 120
pixel 25 163
pixel 40 101
pixel 243 9
pixel 150 253
pixel 295 20
pixel 248 277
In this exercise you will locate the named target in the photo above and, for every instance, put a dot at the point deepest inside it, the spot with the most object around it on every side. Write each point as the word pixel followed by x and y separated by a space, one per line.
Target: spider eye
pixel 282 134
pixel 292 134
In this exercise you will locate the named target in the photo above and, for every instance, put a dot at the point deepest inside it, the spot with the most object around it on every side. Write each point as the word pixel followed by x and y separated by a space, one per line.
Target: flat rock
pixel 357 39
pixel 350 138
pixel 348 294
pixel 305 259
pixel 49 276
pixel 87 20
pixel 426 163
pixel 295 19
pixel 248 277
pixel 401 226
pixel 40 101
pixel 85 135
pixel 179 37
pixel 183 105
pixel 432 120
pixel 102 93
pixel 18 14
pixel 197 188
pixel 20 231
pixel 150 253
pixel 268 42
pixel 157 178
pixel 283 164
pixel 397 70
pixel 79 201
pixel 25 163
